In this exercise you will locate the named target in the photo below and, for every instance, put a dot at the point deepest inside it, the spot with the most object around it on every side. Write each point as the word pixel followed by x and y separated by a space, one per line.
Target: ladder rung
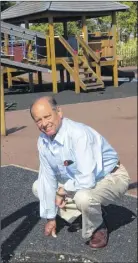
pixel 89 78
pixel 94 85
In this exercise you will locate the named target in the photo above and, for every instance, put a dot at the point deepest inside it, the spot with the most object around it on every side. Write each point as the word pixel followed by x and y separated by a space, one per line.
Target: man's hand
pixel 60 200
pixel 50 228
pixel 61 191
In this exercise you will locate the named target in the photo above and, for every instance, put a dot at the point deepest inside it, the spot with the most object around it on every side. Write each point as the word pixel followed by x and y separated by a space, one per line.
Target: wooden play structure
pixel 82 56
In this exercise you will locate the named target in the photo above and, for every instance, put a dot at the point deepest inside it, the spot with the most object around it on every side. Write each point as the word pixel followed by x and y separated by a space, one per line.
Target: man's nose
pixel 44 122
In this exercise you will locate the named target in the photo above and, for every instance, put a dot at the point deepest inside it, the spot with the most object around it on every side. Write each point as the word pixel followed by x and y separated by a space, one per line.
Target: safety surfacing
pixel 22 235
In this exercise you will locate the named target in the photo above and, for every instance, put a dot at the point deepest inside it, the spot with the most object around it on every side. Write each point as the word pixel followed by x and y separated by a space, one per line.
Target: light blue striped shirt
pixel 92 157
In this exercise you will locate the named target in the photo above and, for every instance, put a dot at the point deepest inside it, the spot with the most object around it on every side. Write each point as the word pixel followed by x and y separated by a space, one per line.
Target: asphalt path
pixel 22 230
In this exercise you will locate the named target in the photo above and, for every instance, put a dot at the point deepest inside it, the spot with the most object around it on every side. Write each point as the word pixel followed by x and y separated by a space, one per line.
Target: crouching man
pixel 82 160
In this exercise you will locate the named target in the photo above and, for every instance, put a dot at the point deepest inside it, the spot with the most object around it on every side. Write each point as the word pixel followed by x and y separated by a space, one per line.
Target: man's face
pixel 47 119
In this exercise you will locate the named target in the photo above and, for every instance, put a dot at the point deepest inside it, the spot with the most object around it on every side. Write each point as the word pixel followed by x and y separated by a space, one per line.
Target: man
pixel 82 160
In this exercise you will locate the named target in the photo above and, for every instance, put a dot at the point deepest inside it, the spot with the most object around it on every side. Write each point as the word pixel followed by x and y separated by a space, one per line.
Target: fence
pixel 128 55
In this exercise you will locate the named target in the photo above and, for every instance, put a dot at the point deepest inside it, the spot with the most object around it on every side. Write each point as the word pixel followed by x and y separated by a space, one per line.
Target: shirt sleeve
pixel 86 165
pixel 47 186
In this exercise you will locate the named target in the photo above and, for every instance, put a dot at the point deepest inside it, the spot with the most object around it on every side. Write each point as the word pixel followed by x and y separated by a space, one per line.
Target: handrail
pixel 67 46
pixel 75 60
pixel 87 49
pixel 48 51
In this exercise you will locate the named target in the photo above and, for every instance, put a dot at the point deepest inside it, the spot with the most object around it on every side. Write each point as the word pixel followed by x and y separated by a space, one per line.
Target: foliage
pixel 6 4
pixel 127 21
pixel 128 53
pixel 58 28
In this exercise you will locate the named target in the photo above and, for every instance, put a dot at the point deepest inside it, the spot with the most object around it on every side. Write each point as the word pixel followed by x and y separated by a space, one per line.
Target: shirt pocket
pixel 71 169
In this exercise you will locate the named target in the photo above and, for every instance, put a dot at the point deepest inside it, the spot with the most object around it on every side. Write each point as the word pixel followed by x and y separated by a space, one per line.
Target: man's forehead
pixel 42 104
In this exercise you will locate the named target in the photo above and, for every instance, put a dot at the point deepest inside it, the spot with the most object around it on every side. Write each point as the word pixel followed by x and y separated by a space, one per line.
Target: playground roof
pixel 38 11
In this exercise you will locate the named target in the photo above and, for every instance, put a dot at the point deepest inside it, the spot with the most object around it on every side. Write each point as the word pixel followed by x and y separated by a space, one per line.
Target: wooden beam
pixel 84 29
pixel 31 85
pixel 40 78
pixel 48 51
pixel 26 24
pixel 115 66
pixel 6 50
pixel 53 59
pixel 65 33
pixel 3 125
pixel 62 76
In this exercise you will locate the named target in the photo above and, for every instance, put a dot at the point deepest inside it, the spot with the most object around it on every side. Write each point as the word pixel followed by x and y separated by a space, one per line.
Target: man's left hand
pixel 60 200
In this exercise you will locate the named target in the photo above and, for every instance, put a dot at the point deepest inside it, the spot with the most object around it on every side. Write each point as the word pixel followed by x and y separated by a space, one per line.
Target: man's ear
pixel 59 110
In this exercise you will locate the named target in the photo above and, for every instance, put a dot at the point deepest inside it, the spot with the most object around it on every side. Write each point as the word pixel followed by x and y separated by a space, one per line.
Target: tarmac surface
pixel 23 101
pixel 23 237
pixel 113 113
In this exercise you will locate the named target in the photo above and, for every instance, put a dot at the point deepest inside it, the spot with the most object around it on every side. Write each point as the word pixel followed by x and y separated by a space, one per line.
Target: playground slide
pixel 27 67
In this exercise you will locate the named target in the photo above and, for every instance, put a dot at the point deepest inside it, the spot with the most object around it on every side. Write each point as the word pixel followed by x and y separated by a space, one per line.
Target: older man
pixel 82 160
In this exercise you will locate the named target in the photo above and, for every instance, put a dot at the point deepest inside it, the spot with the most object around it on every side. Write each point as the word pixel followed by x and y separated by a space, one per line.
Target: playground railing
pixel 88 50
pixel 74 55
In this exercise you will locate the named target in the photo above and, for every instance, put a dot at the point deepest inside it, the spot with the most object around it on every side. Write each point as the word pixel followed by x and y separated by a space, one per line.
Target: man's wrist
pixel 51 219
pixel 61 195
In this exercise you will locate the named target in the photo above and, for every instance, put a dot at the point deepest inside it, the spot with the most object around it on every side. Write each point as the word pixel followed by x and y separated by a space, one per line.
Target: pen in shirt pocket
pixel 68 162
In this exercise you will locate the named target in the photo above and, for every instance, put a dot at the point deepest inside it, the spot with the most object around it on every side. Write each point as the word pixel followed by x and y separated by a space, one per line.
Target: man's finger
pixel 54 233
pixel 62 205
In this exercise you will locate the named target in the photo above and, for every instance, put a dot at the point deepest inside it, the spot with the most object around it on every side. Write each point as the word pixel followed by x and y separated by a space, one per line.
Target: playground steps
pixel 88 76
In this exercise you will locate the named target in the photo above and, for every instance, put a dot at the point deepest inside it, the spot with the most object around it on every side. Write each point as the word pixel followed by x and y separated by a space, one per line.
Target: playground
pixel 84 82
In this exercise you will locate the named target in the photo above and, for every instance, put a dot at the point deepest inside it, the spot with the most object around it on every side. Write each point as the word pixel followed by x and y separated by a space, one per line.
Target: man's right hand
pixel 50 228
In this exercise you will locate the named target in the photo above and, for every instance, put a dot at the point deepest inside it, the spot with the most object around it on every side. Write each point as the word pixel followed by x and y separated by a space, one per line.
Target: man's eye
pixel 48 117
pixel 38 121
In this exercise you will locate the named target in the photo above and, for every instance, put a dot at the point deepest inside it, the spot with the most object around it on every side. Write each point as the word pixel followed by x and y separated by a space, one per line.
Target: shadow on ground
pixel 115 217
pixel 31 213
pixel 15 129
pixel 133 185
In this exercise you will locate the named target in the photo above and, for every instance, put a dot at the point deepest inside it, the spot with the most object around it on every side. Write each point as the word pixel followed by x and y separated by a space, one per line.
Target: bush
pixel 128 53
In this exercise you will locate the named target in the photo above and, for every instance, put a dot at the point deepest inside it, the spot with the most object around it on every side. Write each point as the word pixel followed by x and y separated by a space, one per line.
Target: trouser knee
pixel 34 188
pixel 82 199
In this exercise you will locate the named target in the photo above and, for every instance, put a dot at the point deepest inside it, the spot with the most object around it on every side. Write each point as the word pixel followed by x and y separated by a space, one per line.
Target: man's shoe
pixel 99 239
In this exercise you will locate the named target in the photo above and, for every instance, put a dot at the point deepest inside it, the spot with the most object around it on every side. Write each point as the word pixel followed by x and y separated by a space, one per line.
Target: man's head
pixel 47 115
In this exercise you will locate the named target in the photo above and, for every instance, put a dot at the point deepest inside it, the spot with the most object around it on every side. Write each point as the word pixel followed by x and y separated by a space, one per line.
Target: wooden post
pixel 26 24
pixel 3 125
pixel 6 50
pixel 76 75
pixel 31 85
pixel 53 59
pixel 65 30
pixel 39 77
pixel 84 29
pixel 115 67
pixel 62 76
pixel 48 51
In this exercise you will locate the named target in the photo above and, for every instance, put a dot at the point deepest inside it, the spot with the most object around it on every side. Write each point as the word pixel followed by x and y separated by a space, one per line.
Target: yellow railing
pixel 48 50
pixel 76 63
pixel 87 49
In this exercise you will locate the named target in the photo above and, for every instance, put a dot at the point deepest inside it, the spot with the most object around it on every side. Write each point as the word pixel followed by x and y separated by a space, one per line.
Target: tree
pixel 127 21
pixel 6 4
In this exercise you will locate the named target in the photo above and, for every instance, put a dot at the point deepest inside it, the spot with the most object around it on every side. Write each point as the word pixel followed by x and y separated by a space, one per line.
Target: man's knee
pixel 82 199
pixel 34 188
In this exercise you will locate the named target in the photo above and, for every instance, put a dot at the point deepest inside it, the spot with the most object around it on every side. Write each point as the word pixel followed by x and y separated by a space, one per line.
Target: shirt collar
pixel 59 136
